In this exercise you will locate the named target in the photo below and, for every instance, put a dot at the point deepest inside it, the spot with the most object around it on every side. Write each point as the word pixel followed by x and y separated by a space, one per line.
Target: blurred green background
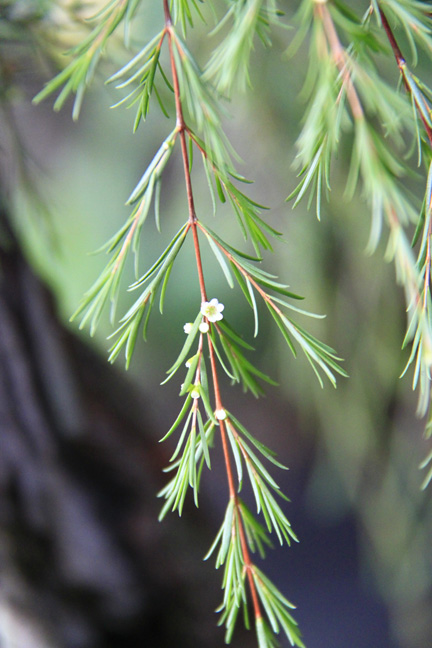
pixel 354 452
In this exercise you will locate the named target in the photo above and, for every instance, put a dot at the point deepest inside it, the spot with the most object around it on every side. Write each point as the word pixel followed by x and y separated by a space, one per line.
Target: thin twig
pixel 401 63
pixel 341 59
pixel 193 222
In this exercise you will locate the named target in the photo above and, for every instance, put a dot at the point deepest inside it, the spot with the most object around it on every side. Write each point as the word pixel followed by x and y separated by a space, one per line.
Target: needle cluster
pixel 349 100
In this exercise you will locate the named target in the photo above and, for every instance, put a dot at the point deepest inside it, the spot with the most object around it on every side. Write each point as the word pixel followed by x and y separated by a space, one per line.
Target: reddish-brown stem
pixel 357 110
pixel 182 134
pixel 193 223
pixel 400 60
pixel 248 565
pixel 395 47
pixel 340 59
pixel 249 570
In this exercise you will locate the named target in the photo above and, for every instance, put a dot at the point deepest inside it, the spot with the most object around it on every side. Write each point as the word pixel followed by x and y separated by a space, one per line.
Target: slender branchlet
pixel 198 127
pixel 341 59
pixel 341 83
pixel 217 394
pixel 421 308
pixel 418 99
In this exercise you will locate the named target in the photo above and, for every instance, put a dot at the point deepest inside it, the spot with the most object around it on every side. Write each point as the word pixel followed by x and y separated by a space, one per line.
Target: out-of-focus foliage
pixel 355 122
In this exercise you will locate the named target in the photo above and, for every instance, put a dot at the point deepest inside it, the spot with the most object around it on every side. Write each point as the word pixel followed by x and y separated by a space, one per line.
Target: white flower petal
pixel 220 414
pixel 212 310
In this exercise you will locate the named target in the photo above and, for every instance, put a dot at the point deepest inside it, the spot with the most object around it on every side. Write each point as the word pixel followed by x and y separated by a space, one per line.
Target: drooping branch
pixel 217 392
pixel 401 63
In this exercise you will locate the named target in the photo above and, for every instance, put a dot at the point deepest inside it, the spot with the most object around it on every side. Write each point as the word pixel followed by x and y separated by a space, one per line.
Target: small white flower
pixel 212 310
pixel 220 414
pixel 195 393
pixel 204 327
pixel 187 328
